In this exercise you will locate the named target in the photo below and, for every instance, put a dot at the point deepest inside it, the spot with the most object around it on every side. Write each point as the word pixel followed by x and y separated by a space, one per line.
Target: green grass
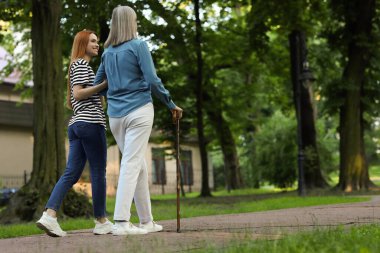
pixel 358 239
pixel 164 207
pixel 374 172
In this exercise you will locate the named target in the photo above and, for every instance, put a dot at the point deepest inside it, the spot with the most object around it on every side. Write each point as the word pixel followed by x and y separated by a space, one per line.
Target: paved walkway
pixel 200 232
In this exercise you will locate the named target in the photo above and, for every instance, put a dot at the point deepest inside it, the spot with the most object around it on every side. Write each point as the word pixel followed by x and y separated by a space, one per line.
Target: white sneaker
pixel 102 228
pixel 50 225
pixel 151 227
pixel 127 228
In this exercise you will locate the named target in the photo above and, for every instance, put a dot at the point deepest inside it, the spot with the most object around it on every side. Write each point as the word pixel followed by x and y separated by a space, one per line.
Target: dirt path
pixel 201 232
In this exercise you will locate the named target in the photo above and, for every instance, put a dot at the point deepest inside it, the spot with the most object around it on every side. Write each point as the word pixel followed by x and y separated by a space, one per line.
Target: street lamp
pixel 306 78
pixel 302 78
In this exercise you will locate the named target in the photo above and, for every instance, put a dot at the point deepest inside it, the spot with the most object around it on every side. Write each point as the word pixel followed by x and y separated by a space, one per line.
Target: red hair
pixel 78 50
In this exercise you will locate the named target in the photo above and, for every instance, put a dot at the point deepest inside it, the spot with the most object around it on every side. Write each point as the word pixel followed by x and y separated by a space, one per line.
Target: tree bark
pixel 48 129
pixel 353 168
pixel 48 126
pixel 205 189
pixel 233 178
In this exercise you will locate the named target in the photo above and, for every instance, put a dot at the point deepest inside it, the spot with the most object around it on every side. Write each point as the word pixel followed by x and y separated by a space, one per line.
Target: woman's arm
pixel 147 67
pixel 81 93
pixel 99 77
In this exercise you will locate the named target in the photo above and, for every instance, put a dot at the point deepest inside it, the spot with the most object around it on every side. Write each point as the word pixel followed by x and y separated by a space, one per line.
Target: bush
pixel 276 150
pixel 270 155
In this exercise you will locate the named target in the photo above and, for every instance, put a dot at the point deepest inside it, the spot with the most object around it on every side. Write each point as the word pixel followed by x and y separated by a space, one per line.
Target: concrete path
pixel 201 232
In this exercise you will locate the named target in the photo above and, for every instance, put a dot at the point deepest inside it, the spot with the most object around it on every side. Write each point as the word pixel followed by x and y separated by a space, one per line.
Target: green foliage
pixel 276 152
pixel 272 155
pixel 328 145
pixel 28 199
pixel 246 71
pixel 16 40
pixel 76 205
pixel 218 169
pixel 15 10
pixel 374 173
pixel 372 141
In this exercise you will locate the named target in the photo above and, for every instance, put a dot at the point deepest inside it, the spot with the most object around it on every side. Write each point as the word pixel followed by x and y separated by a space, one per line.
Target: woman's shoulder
pixel 79 61
pixel 137 42
pixel 134 44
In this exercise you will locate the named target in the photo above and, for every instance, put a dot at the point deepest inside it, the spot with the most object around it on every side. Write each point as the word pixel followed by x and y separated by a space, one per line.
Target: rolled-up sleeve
pixel 149 72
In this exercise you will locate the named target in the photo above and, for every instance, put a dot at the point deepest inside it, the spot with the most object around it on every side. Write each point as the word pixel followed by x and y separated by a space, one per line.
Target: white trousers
pixel 132 135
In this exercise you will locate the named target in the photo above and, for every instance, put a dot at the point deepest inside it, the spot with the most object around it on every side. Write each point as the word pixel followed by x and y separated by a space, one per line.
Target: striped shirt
pixel 89 110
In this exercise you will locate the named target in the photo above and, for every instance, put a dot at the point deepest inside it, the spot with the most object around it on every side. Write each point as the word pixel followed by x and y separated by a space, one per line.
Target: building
pixel 16 150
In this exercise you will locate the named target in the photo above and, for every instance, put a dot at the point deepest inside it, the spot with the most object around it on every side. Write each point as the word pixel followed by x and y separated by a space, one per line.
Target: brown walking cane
pixel 178 171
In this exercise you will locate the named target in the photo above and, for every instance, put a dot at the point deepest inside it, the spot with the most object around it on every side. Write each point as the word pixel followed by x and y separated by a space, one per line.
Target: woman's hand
pixel 104 84
pixel 81 92
pixel 177 113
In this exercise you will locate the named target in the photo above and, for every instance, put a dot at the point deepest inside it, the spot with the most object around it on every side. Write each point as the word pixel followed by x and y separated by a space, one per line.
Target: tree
pixel 290 16
pixel 48 128
pixel 358 18
pixel 205 190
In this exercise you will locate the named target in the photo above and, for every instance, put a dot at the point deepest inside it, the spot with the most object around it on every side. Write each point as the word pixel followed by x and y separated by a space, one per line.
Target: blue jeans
pixel 87 141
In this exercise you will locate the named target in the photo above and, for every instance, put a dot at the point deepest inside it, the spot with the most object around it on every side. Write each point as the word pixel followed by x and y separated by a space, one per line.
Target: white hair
pixel 123 26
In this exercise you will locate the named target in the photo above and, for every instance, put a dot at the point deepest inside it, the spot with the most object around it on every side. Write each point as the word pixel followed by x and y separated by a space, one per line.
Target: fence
pixel 17 181
pixel 14 181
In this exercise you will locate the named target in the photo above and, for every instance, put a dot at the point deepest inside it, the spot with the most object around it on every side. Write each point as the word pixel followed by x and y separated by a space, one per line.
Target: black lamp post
pixel 301 78
pixel 306 78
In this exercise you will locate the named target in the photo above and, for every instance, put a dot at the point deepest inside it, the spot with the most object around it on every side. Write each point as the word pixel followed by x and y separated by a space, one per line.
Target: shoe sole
pixel 101 233
pixel 154 231
pixel 47 230
pixel 117 234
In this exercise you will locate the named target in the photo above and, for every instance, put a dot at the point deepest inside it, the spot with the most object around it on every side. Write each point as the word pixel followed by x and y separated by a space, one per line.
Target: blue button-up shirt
pixel 131 76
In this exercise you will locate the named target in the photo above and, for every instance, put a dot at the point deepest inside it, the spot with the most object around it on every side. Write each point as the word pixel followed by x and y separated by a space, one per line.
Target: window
pixel 158 166
pixel 186 167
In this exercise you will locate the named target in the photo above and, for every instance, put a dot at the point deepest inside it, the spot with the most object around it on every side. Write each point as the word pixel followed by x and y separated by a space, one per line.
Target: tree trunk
pixel 353 167
pixel 48 127
pixel 308 155
pixel 233 178
pixel 179 47
pixel 352 164
pixel 205 189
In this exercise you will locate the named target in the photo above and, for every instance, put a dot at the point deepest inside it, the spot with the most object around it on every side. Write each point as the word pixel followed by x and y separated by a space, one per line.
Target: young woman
pixel 127 65
pixel 87 138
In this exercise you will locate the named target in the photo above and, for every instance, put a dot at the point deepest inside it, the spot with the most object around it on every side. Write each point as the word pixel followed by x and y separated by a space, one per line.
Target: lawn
pixel 374 172
pixel 357 239
pixel 164 207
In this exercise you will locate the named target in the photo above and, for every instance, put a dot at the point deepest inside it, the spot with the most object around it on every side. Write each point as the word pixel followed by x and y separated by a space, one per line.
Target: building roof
pixel 13 114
